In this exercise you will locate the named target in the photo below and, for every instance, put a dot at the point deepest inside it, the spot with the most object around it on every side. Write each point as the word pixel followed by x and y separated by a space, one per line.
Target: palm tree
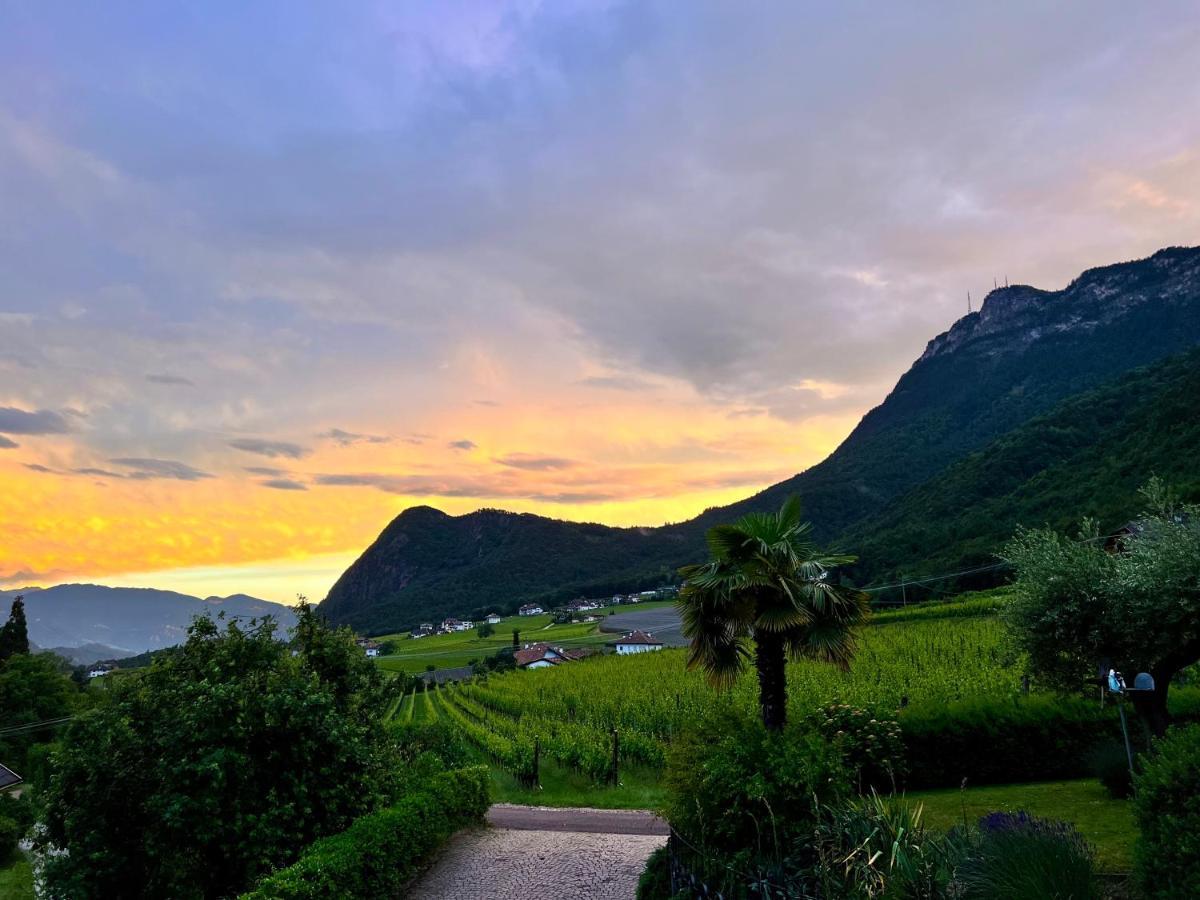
pixel 767 582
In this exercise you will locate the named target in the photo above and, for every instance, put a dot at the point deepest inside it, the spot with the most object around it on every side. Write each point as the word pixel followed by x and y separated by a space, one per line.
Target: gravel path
pixel 537 851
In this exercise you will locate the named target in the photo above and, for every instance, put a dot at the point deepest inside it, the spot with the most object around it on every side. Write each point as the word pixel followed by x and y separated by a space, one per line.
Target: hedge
pixel 1041 737
pixel 1167 809
pixel 381 852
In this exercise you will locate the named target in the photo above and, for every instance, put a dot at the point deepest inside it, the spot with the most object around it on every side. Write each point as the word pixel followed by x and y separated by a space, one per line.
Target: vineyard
pixel 569 713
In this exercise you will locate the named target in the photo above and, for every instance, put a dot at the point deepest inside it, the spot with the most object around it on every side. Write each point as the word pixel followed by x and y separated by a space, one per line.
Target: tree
pixel 216 764
pixel 485 630
pixel 767 583
pixel 516 645
pixel 33 689
pixel 14 635
pixel 1077 604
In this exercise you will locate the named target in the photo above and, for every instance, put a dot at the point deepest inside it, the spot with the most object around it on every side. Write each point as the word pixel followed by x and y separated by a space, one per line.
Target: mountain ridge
pixel 1023 352
pixel 127 619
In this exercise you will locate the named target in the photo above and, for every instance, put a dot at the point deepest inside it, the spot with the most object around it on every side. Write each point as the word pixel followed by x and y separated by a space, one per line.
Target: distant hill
pixel 126 621
pixel 1024 352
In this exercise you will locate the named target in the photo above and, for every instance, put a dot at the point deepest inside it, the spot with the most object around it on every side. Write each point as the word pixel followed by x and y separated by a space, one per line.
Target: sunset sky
pixel 272 272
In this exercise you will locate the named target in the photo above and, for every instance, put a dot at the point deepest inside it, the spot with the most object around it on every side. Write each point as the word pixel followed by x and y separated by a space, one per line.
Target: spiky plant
pixel 769 585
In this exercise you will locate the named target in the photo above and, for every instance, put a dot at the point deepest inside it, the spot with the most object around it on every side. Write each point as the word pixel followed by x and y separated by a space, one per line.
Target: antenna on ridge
pixel 968 303
pixel 993 282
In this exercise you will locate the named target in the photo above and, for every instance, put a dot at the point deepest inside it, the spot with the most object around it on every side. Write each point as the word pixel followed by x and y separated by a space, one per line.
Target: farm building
pixel 543 656
pixel 101 669
pixel 530 609
pixel 636 642
pixel 492 619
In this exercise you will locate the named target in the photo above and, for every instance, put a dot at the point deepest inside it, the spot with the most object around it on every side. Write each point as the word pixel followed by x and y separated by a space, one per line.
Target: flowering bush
pixel 871 745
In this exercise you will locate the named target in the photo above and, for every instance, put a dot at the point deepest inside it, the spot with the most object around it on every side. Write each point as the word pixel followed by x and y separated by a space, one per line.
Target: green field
pixel 450 651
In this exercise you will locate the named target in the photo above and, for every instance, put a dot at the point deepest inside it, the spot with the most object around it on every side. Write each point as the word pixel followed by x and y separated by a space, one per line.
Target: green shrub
pixel 1110 764
pixel 381 852
pixel 431 746
pixel 1041 737
pixel 747 797
pixel 655 880
pixel 19 809
pixel 871 745
pixel 1021 857
pixel 1167 808
pixel 10 833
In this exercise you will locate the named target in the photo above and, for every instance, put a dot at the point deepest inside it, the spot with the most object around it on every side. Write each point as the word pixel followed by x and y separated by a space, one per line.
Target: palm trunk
pixel 769 659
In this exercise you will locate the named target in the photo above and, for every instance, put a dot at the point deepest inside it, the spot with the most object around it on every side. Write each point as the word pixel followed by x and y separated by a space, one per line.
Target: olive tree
pixel 1137 603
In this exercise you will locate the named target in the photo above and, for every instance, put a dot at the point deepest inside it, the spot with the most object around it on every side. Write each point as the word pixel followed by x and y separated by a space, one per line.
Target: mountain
pixel 126 621
pixel 1087 457
pixel 1025 351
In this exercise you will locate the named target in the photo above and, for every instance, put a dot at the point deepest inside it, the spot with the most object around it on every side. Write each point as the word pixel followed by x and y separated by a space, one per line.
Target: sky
pixel 271 273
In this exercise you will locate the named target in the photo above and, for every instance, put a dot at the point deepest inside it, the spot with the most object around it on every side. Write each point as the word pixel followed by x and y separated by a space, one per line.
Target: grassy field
pixel 1106 823
pixel 16 879
pixel 640 788
pixel 449 651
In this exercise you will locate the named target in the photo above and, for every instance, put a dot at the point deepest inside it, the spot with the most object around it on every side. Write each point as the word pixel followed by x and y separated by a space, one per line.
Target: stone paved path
pixel 536 851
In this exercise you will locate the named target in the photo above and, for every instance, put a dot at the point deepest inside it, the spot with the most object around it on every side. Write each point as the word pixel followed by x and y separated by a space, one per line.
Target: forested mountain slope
pixel 1088 456
pixel 1024 352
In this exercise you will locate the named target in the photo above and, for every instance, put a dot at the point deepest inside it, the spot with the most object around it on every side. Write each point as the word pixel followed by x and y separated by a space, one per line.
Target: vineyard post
pixel 616 779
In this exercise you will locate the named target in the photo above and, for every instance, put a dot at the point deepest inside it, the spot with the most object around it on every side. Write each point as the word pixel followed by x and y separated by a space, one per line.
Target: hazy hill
pixel 1024 352
pixel 129 620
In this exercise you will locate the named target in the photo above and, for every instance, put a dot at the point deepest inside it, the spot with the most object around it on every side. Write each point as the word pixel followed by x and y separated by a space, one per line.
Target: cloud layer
pixel 600 259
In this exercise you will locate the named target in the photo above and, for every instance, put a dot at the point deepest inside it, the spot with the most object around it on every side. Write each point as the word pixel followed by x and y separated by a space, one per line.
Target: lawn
pixel 1106 823
pixel 639 789
pixel 449 651
pixel 16 878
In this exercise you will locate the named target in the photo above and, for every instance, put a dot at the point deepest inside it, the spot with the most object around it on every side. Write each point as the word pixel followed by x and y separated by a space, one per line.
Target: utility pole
pixel 968 303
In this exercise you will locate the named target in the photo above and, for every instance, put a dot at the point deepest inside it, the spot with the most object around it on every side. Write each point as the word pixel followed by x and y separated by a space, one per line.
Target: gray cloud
pixel 284 484
pixel 170 379
pixel 272 449
pixel 38 467
pixel 462 445
pixel 452 486
pixel 41 421
pixel 6 444
pixel 144 468
pixel 535 463
pixel 269 471
pixel 346 438
pixel 100 473
pixel 617 383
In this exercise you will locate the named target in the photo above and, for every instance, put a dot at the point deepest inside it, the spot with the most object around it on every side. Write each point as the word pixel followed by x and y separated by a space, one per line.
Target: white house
pixel 100 669
pixel 530 609
pixel 493 619
pixel 636 642
pixel 543 656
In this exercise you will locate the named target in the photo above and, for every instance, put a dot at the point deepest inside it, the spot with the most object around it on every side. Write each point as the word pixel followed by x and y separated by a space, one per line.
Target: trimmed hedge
pixel 381 852
pixel 1167 808
pixel 1041 737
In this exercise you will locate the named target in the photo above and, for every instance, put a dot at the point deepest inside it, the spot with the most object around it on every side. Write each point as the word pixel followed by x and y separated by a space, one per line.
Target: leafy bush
pixel 1167 808
pixel 18 809
pixel 381 852
pixel 214 765
pixel 10 833
pixel 1021 857
pixel 428 747
pixel 1110 764
pixel 1041 737
pixel 871 746
pixel 748 796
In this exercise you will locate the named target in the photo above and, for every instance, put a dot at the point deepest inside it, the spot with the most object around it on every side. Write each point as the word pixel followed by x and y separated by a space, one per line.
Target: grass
pixel 450 651
pixel 1106 823
pixel 16 878
pixel 639 789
